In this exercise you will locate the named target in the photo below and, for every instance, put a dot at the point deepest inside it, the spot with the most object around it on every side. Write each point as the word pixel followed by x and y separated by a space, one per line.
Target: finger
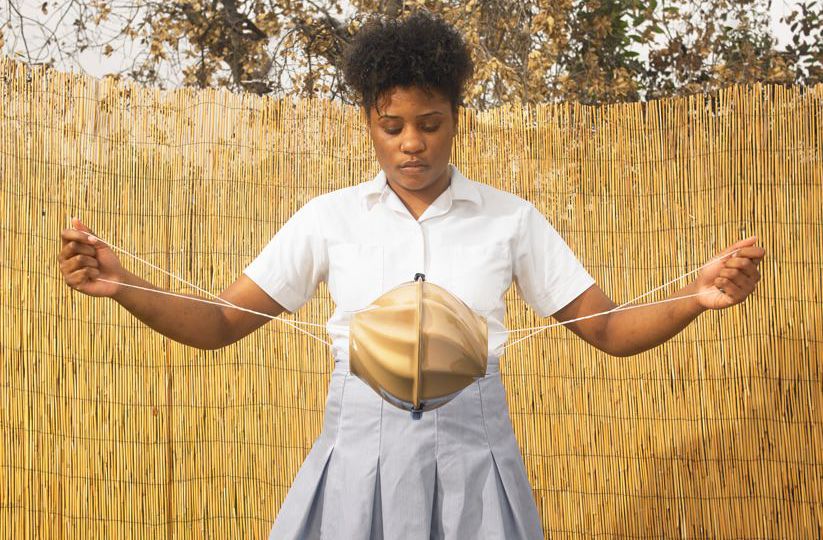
pixel 740 244
pixel 84 261
pixel 732 274
pixel 73 235
pixel 80 226
pixel 77 262
pixel 745 243
pixel 752 252
pixel 82 276
pixel 743 283
pixel 729 288
pixel 76 248
pixel 72 249
pixel 746 266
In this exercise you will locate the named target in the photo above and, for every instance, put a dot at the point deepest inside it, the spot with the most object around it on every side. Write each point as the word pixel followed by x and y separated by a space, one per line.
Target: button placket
pixel 421 245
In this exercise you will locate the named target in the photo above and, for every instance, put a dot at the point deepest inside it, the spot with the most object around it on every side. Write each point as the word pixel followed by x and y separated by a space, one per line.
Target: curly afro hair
pixel 421 50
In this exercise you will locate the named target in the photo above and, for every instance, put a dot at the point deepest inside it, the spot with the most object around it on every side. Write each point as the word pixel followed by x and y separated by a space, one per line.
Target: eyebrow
pixel 391 117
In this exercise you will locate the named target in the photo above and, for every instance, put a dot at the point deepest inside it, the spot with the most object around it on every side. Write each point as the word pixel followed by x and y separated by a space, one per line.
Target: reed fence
pixel 109 430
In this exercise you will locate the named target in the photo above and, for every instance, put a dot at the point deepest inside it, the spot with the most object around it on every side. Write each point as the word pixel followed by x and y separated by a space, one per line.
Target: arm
pixel 83 258
pixel 624 333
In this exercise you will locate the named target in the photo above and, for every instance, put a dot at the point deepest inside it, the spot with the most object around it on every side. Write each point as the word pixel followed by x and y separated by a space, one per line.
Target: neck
pixel 416 201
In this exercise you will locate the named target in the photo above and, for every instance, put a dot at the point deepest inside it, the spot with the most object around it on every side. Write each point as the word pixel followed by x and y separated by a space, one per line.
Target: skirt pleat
pixel 301 513
pixel 375 472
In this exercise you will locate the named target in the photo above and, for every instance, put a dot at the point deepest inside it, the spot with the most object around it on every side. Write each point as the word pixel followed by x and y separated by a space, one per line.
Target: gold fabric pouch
pixel 418 346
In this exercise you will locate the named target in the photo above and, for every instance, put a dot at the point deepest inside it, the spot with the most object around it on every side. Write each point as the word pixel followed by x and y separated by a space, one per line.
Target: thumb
pixel 746 242
pixel 80 226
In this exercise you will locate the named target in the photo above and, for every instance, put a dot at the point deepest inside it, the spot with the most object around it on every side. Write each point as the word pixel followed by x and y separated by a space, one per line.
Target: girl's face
pixel 412 131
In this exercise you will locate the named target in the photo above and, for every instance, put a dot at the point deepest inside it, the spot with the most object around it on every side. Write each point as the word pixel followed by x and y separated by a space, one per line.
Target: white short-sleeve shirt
pixel 473 240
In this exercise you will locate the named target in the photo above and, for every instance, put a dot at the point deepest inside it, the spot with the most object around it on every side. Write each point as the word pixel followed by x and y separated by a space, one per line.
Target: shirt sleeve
pixel 294 261
pixel 547 274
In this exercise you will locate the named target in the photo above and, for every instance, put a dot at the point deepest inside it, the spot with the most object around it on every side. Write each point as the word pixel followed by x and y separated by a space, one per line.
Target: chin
pixel 416 184
pixel 417 179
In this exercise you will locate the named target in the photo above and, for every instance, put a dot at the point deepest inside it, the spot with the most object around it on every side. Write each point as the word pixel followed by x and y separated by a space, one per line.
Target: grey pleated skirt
pixel 375 472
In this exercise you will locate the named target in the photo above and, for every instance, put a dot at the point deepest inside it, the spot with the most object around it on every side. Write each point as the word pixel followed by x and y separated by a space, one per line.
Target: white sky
pixel 94 63
pixel 781 31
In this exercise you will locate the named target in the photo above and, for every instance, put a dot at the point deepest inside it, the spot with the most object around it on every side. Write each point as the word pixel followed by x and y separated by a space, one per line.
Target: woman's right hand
pixel 85 259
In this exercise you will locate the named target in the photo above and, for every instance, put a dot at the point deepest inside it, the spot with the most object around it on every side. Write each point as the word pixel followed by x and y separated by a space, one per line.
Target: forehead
pixel 410 102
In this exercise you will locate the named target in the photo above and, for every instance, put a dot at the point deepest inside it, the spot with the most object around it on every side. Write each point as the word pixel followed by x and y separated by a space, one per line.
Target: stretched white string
pixel 221 301
pixel 633 300
pixel 152 265
pixel 538 329
pixel 678 278
pixel 294 324
pixel 221 304
pixel 625 305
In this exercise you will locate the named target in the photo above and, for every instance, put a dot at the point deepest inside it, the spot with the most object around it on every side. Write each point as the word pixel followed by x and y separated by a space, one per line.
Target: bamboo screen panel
pixel 112 431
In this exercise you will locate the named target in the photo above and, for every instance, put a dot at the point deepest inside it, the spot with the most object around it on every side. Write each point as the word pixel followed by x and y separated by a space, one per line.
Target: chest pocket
pixel 355 274
pixel 481 275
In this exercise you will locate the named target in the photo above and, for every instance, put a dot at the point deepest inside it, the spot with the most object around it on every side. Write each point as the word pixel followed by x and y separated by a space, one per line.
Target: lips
pixel 414 165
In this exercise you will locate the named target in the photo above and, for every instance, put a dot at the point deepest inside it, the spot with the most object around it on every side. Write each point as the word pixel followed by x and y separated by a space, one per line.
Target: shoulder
pixel 501 197
pixel 339 201
pixel 499 202
pixel 524 221
pixel 332 213
pixel 343 195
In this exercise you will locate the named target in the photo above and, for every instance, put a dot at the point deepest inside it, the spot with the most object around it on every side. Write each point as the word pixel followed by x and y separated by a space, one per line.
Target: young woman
pixel 375 472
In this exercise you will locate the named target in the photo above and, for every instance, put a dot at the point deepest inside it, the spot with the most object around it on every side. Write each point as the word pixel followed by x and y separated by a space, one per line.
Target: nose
pixel 412 143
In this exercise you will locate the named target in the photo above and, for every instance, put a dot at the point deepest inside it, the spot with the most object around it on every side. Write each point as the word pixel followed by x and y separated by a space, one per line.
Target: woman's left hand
pixel 732 278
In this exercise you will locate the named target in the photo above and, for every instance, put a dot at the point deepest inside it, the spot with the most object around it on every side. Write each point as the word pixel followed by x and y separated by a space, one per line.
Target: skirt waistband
pixel 341 365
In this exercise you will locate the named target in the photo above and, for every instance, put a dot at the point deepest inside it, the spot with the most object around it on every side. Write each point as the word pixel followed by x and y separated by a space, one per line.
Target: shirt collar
pixel 377 189
pixel 464 189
